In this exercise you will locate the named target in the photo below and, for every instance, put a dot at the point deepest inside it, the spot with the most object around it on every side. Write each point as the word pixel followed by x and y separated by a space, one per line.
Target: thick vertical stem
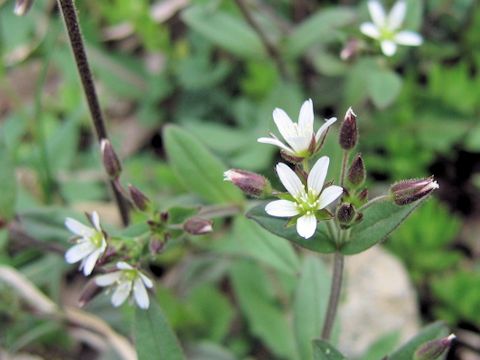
pixel 70 17
pixel 336 287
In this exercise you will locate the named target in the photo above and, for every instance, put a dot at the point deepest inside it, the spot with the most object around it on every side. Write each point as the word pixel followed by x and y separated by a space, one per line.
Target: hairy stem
pixel 70 18
pixel 344 167
pixel 336 287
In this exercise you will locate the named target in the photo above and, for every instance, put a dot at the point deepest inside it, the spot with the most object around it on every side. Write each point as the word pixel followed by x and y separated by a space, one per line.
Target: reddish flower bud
pixel 350 50
pixel 357 174
pixel 139 199
pixel 346 214
pixel 407 191
pixel 249 182
pixel 156 245
pixel 198 226
pixel 434 349
pixel 22 7
pixel 348 131
pixel 363 195
pixel 112 165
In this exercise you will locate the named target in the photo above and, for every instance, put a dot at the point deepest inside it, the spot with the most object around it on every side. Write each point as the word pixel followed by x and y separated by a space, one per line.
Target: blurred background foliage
pixel 198 64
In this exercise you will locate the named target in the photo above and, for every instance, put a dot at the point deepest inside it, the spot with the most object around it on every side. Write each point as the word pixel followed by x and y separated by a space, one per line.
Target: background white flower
pixel 306 201
pixel 385 28
pixel 298 136
pixel 91 243
pixel 124 280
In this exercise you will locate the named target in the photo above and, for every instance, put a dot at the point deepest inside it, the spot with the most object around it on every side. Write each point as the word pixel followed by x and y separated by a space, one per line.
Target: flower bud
pixel 110 160
pixel 22 7
pixel 363 195
pixel 407 191
pixel 249 182
pixel 356 174
pixel 348 131
pixel 434 349
pixel 198 226
pixel 350 50
pixel 139 199
pixel 90 291
pixel 346 214
pixel 156 245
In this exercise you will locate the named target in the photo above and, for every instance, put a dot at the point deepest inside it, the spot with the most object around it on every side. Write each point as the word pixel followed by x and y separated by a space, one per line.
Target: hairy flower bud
pixel 22 7
pixel 407 191
pixel 357 174
pixel 434 349
pixel 249 182
pixel 139 199
pixel 348 131
pixel 346 214
pixel 198 226
pixel 112 165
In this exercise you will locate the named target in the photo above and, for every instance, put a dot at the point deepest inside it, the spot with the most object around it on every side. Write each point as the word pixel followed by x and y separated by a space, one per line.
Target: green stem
pixel 336 287
pixel 344 167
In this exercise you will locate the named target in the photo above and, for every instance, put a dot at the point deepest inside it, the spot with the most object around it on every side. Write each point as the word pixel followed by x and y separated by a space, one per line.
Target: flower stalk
pixel 335 289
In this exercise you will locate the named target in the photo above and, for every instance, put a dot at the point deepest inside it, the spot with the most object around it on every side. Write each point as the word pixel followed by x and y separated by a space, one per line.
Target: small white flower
pixel 298 136
pixel 124 280
pixel 91 243
pixel 386 28
pixel 306 201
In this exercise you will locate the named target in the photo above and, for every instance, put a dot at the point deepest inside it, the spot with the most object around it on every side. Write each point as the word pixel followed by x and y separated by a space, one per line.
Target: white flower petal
pixel 290 180
pixel 284 123
pixel 121 293
pixel 140 294
pixel 79 251
pixel 305 119
pixel 324 128
pixel 146 280
pixel 299 143
pixel 96 221
pixel 281 208
pixel 90 262
pixel 122 265
pixel 388 47
pixel 397 15
pixel 306 226
pixel 329 195
pixel 276 142
pixel 377 13
pixel 370 30
pixel 317 175
pixel 108 279
pixel 78 228
pixel 408 38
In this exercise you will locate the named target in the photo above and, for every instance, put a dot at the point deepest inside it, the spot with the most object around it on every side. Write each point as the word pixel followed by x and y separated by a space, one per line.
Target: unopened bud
pixel 407 191
pixel 139 199
pixel 357 173
pixel 156 245
pixel 90 291
pixel 346 214
pixel 348 131
pixel 110 159
pixel 434 349
pixel 350 50
pixel 198 226
pixel 249 182
pixel 363 195
pixel 164 216
pixel 22 7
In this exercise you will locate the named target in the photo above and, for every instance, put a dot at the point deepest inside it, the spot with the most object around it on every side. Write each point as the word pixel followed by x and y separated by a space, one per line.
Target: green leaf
pixel 198 170
pixel 320 242
pixel 383 87
pixel 8 184
pixel 154 338
pixel 431 332
pixel 381 346
pixel 321 27
pixel 224 30
pixel 379 220
pixel 310 303
pixel 322 350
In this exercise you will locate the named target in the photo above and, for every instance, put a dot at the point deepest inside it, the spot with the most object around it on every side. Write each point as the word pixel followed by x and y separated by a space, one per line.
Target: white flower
pixel 298 136
pixel 386 28
pixel 306 201
pixel 91 243
pixel 126 279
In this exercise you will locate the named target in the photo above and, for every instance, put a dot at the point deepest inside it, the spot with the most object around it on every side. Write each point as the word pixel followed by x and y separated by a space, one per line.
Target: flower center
pixel 308 203
pixel 130 274
pixel 387 34
pixel 96 239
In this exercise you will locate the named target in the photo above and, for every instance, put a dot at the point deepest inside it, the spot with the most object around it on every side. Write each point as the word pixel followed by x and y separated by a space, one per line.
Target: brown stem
pixel 70 18
pixel 334 299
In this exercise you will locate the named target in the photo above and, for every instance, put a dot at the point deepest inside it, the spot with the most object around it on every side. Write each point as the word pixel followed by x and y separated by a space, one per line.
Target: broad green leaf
pixel 379 220
pixel 382 346
pixel 431 332
pixel 383 87
pixel 197 169
pixel 320 242
pixel 310 303
pixel 224 30
pixel 266 319
pixel 8 184
pixel 321 27
pixel 322 350
pixel 154 338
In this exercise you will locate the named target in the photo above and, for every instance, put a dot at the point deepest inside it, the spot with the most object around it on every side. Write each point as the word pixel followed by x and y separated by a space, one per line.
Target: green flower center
pixel 96 239
pixel 308 203
pixel 130 275
pixel 387 34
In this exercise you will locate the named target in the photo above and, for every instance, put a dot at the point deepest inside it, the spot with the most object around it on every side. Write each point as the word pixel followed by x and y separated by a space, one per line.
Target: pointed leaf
pixel 320 242
pixel 154 338
pixel 379 220
pixel 8 184
pixel 383 87
pixel 322 350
